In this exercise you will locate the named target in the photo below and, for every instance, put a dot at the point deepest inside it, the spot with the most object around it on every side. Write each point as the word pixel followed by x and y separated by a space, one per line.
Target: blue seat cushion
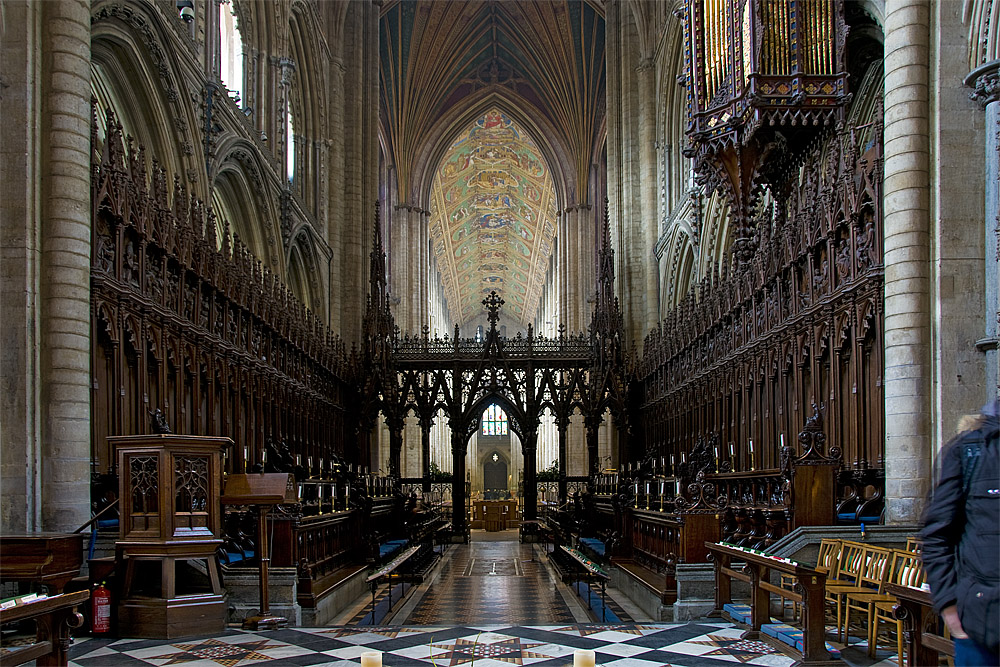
pixel 792 636
pixel 386 549
pixel 594 545
pixel 773 629
pixel 738 612
pixel 232 557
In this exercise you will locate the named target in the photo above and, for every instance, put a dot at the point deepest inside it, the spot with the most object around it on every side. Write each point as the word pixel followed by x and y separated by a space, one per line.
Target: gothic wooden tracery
pixel 525 375
pixel 189 322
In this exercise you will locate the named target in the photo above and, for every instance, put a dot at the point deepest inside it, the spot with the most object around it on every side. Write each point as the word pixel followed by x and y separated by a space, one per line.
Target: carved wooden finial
pixel 158 422
pixel 493 303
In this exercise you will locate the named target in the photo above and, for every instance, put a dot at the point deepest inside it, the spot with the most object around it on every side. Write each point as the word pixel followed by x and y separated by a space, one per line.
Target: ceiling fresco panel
pixel 493 208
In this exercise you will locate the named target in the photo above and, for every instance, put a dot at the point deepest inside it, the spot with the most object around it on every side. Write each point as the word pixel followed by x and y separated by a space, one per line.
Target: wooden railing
pixel 755 571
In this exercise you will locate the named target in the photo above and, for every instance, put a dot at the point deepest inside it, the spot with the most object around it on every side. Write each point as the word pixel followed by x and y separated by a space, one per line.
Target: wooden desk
pixel 756 571
pixel 917 614
pixel 53 617
pixel 494 515
pixel 52 559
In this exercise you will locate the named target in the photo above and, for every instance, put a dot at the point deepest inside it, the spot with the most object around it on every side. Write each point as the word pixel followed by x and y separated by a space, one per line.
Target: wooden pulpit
pixel 262 491
pixel 170 527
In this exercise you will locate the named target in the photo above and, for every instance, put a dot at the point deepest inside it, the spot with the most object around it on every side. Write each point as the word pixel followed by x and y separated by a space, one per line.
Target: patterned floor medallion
pixel 510 650
pixel 222 653
pixel 391 632
pixel 743 650
pixel 585 630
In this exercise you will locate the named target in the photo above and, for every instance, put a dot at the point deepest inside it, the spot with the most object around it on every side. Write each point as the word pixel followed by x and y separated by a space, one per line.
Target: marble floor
pixel 489 603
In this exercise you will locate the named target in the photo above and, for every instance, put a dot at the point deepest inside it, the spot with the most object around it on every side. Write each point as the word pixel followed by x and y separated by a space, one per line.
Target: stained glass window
pixel 494 421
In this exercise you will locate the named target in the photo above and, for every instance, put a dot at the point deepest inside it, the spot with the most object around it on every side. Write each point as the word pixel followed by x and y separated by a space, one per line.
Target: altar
pixel 494 515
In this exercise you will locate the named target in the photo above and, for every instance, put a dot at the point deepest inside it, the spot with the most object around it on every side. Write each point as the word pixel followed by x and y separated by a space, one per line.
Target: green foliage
pixel 550 474
pixel 438 475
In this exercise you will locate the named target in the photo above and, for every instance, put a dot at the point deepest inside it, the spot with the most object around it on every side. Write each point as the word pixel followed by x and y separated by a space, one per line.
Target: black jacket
pixel 961 535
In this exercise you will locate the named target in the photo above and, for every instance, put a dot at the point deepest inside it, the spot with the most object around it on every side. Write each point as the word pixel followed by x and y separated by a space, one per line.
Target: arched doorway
pixel 494 476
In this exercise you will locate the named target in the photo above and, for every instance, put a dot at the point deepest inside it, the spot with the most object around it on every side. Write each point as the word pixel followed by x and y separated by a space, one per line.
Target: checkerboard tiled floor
pixel 695 644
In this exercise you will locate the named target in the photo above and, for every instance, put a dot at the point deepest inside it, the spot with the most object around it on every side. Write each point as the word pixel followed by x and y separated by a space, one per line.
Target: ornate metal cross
pixel 493 303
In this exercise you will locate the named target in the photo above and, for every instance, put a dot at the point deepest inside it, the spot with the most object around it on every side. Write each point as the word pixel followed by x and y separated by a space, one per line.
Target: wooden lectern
pixel 263 491
pixel 170 527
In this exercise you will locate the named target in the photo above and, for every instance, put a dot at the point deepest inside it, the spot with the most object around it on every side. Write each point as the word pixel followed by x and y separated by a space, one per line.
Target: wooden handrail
pixel 96 516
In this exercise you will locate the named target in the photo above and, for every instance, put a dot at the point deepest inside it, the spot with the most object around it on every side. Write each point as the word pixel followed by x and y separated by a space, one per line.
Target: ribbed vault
pixel 493 218
pixel 462 83
pixel 548 56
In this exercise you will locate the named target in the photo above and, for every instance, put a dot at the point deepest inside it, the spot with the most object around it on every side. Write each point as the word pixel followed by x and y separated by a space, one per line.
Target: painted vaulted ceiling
pixel 543 62
pixel 493 218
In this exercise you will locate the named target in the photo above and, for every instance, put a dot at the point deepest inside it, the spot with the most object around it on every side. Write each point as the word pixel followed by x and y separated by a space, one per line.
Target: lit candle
pixel 782 440
pixel 246 458
pixel 584 658
pixel 371 659
pixel 716 456
pixel 732 450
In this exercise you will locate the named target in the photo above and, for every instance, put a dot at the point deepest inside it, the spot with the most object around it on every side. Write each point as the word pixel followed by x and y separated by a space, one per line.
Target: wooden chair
pixel 872 570
pixel 907 571
pixel 829 555
pixel 900 570
pixel 826 562
pixel 914 544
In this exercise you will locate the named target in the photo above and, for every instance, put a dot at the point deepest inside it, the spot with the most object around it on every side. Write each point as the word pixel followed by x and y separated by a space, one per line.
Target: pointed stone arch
pixel 241 197
pixel 135 73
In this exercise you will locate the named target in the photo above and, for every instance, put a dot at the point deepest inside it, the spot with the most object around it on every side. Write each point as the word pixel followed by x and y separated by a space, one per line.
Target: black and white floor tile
pixel 695 644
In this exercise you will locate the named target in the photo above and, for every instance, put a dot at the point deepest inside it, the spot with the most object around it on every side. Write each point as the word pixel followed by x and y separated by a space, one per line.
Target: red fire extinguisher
pixel 100 610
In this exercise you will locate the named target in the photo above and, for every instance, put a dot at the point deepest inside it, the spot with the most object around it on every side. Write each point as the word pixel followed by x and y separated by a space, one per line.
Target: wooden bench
pixel 755 571
pixel 53 616
pixel 312 590
pixel 658 583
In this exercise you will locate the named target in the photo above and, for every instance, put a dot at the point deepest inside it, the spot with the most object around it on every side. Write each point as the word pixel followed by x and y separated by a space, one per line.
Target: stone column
pixel 593 423
pixel 395 425
pixel 65 265
pixel 566 259
pixel 458 511
pixel 335 223
pixel 586 272
pixel 425 452
pixel 647 188
pixel 908 369
pixel 562 424
pixel 20 436
pixel 530 450
pixel 985 80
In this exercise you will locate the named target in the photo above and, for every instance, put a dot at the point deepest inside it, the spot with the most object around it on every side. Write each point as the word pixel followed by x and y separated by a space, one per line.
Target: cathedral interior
pixel 485 330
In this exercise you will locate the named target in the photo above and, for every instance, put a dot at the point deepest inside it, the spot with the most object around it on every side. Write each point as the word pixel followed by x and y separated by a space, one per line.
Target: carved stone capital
pixel 985 83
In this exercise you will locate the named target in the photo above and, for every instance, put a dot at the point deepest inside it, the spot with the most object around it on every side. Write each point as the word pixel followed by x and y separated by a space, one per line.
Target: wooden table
pixel 756 572
pixel 916 612
pixel 53 616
